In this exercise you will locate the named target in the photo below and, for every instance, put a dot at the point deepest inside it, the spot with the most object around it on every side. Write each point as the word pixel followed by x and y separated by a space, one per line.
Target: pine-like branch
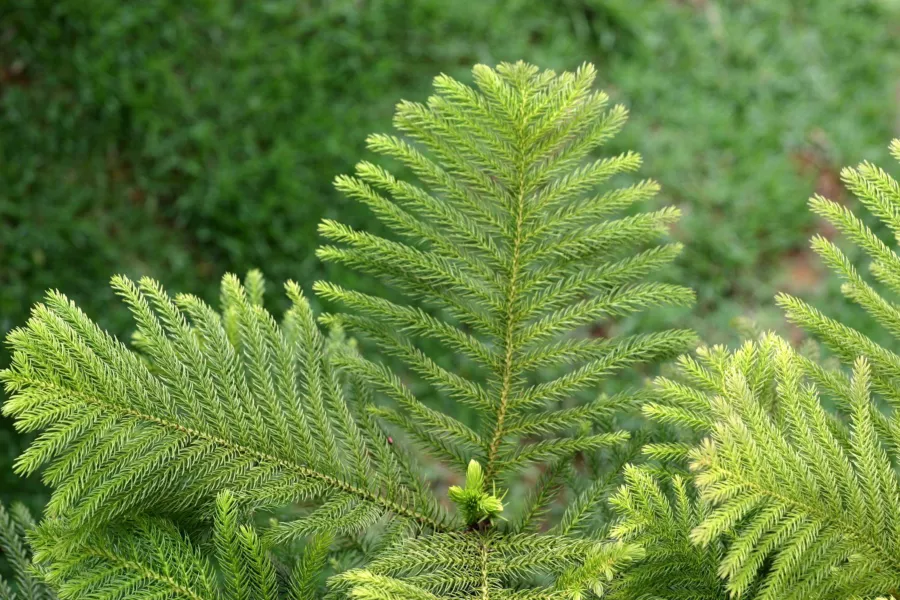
pixel 508 245
pixel 231 401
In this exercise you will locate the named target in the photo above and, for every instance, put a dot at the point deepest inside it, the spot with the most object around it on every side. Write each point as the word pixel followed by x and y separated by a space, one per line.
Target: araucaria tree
pixel 165 459
pixel 227 454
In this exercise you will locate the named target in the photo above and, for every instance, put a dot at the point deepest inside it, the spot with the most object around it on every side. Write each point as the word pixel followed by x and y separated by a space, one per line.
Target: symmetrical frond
pixel 809 504
pixel 213 401
pixel 488 565
pixel 511 248
pixel 306 578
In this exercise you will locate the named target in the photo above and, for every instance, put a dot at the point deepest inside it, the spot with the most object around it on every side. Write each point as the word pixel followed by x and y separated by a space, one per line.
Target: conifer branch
pixel 513 252
pixel 199 405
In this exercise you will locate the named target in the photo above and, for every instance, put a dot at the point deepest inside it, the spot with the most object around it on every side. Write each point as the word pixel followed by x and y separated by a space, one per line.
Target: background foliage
pixel 180 140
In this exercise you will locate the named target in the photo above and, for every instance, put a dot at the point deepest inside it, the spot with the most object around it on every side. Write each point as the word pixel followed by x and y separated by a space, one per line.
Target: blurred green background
pixel 182 139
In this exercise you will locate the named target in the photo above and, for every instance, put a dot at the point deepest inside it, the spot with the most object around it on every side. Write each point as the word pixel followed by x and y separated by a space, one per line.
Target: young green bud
pixel 474 503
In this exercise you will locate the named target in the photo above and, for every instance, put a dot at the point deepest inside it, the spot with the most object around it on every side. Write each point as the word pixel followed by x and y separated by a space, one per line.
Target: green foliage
pixel 181 141
pixel 118 144
pixel 230 455
pixel 880 194
pixel 162 456
pixel 150 558
pixel 141 558
pixel 806 503
pixel 220 415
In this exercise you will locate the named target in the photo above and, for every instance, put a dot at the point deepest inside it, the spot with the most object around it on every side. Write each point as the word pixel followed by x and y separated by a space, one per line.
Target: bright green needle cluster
pixel 475 504
pixel 798 501
pixel 218 409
